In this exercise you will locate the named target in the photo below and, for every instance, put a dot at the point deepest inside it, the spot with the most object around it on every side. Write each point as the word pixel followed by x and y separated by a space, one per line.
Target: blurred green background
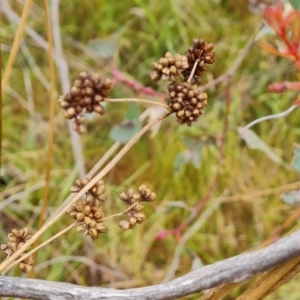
pixel 179 163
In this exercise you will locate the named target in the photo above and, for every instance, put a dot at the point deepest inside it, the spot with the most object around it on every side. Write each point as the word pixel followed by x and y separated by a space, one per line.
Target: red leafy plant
pixel 286 25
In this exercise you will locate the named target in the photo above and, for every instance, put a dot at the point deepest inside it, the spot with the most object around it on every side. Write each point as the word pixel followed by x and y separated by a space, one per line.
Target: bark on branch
pixel 234 269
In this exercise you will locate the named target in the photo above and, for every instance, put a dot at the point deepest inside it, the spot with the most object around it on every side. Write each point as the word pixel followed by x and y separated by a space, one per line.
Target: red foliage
pixel 287 28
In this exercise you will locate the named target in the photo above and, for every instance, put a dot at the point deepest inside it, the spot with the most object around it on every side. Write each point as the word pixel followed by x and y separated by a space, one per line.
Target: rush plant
pixel 87 94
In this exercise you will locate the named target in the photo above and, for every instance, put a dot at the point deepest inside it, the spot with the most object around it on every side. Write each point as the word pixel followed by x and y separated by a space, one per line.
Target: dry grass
pixel 245 207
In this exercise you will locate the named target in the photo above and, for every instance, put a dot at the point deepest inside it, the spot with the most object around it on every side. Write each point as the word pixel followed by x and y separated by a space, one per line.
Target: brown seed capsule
pixel 142 189
pixel 168 67
pixel 93 233
pixel 87 209
pixel 72 214
pixel 102 198
pixel 140 217
pixel 87 220
pixel 80 216
pixel 93 190
pixel 98 215
pixel 98 98
pixel 132 221
pixel 77 83
pixel 92 223
pixel 151 197
pixel 136 197
pixel 70 112
pixel 203 96
pixel 78 182
pixel 196 112
pixel 155 76
pixel 74 189
pixel 138 208
pixel 23 233
pixel 24 267
pixel 85 181
pixel 101 228
pixel 188 113
pixel 90 198
pixel 12 237
pixel 84 96
pixel 74 91
pixel 177 106
pixel 64 104
pixel 124 224
pixel 100 190
pixel 80 228
pixel 83 75
pixel 123 196
pixel 130 192
pixel 99 109
pixel 87 101
pixel 180 113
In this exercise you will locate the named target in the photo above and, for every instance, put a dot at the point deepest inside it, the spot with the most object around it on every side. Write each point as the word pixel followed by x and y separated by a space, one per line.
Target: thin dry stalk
pixel 54 237
pixel 271 281
pixel 193 70
pixel 219 292
pixel 139 101
pixel 15 46
pixel 285 225
pixel 60 233
pixel 0 115
pixel 103 159
pixel 51 124
pixel 293 272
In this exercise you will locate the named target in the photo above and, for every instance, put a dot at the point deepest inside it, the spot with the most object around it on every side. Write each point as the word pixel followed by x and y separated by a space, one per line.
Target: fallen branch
pixel 231 270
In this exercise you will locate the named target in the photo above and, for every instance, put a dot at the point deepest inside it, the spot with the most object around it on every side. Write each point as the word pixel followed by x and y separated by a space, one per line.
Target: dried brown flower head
pixel 168 67
pixel 135 210
pixel 97 192
pixel 15 240
pixel 85 96
pixel 201 51
pixel 88 212
pixel 186 102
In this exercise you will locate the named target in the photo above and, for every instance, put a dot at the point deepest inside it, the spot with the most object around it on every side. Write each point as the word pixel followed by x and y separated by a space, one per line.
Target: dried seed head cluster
pixel 86 95
pixel 88 212
pixel 186 102
pixel 15 240
pixel 97 192
pixel 200 51
pixel 168 67
pixel 135 210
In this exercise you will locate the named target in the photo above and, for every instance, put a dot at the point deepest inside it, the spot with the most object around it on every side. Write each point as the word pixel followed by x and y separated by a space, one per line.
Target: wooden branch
pixel 234 269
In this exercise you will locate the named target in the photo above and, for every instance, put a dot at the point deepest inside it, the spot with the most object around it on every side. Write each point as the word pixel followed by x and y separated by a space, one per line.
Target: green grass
pixel 143 32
